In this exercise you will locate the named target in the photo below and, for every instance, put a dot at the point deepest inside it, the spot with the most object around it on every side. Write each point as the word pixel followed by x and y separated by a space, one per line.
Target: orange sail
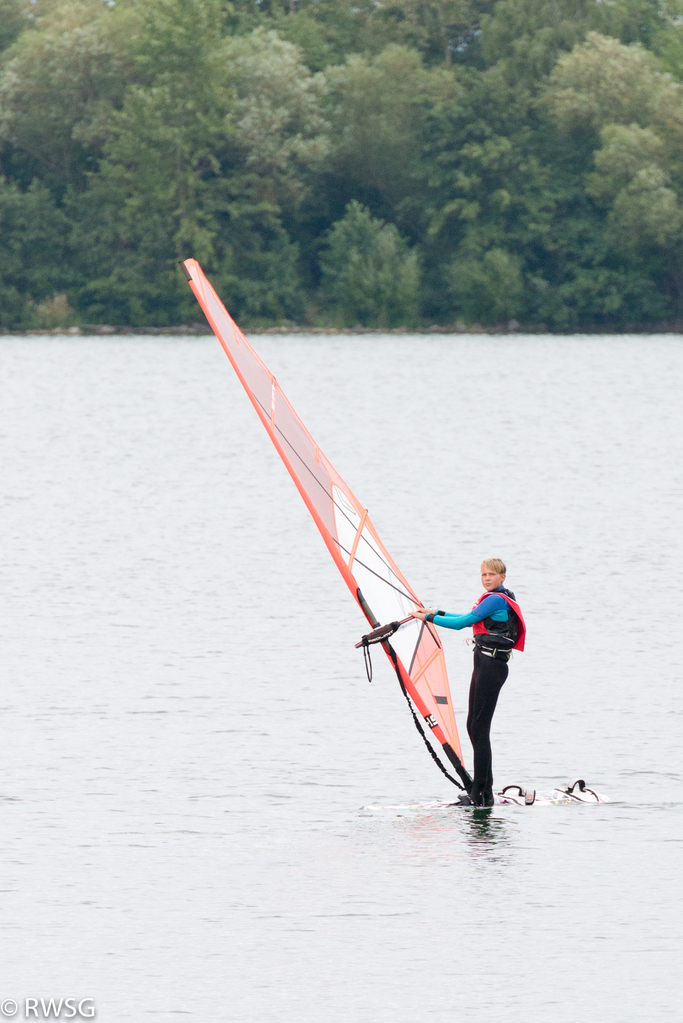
pixel 374 579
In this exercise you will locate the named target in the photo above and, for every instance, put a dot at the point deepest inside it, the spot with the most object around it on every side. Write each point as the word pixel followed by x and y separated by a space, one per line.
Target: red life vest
pixel 478 628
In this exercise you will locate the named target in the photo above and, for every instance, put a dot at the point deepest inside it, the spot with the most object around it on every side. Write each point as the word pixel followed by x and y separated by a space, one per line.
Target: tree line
pixel 375 162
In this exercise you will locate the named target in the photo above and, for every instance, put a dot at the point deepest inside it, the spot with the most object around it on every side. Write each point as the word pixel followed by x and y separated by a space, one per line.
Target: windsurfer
pixel 498 628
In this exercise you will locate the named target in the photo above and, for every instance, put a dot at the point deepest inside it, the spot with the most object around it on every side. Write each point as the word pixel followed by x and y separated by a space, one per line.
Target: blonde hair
pixel 494 565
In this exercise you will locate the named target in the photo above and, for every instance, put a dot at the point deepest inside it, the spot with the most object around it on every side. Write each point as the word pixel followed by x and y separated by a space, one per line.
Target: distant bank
pixel 203 330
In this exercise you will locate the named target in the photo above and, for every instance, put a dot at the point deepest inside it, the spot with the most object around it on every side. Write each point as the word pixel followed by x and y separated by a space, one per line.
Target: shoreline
pixel 198 330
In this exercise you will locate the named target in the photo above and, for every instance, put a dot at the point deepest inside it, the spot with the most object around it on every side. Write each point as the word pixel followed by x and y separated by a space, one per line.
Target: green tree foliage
pixel 488 290
pixel 377 163
pixel 530 35
pixel 377 110
pixel 370 276
pixel 196 164
pixel 324 30
pixel 13 18
pixel 437 29
pixel 34 255
pixel 632 112
pixel 279 122
pixel 604 82
pixel 643 207
pixel 60 83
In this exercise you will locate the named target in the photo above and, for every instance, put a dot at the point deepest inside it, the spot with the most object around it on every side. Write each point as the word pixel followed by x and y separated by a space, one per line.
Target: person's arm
pixel 448 621
pixel 492 605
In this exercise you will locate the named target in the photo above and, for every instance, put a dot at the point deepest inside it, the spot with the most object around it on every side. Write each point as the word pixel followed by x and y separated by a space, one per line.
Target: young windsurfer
pixel 498 627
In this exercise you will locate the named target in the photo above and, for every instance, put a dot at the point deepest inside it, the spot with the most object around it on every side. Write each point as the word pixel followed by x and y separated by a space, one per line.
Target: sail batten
pixel 370 573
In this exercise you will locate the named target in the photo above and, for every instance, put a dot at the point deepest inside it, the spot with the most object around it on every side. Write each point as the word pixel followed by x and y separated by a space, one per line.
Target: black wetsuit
pixel 487 681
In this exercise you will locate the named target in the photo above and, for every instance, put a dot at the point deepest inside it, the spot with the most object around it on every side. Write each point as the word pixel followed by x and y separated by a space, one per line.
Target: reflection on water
pixel 440 832
pixel 485 831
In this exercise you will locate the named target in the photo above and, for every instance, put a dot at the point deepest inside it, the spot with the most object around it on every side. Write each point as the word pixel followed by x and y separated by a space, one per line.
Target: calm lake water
pixel 200 794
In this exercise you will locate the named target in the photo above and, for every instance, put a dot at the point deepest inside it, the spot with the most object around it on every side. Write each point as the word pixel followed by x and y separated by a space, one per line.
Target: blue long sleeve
pixel 494 606
pixel 456 621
